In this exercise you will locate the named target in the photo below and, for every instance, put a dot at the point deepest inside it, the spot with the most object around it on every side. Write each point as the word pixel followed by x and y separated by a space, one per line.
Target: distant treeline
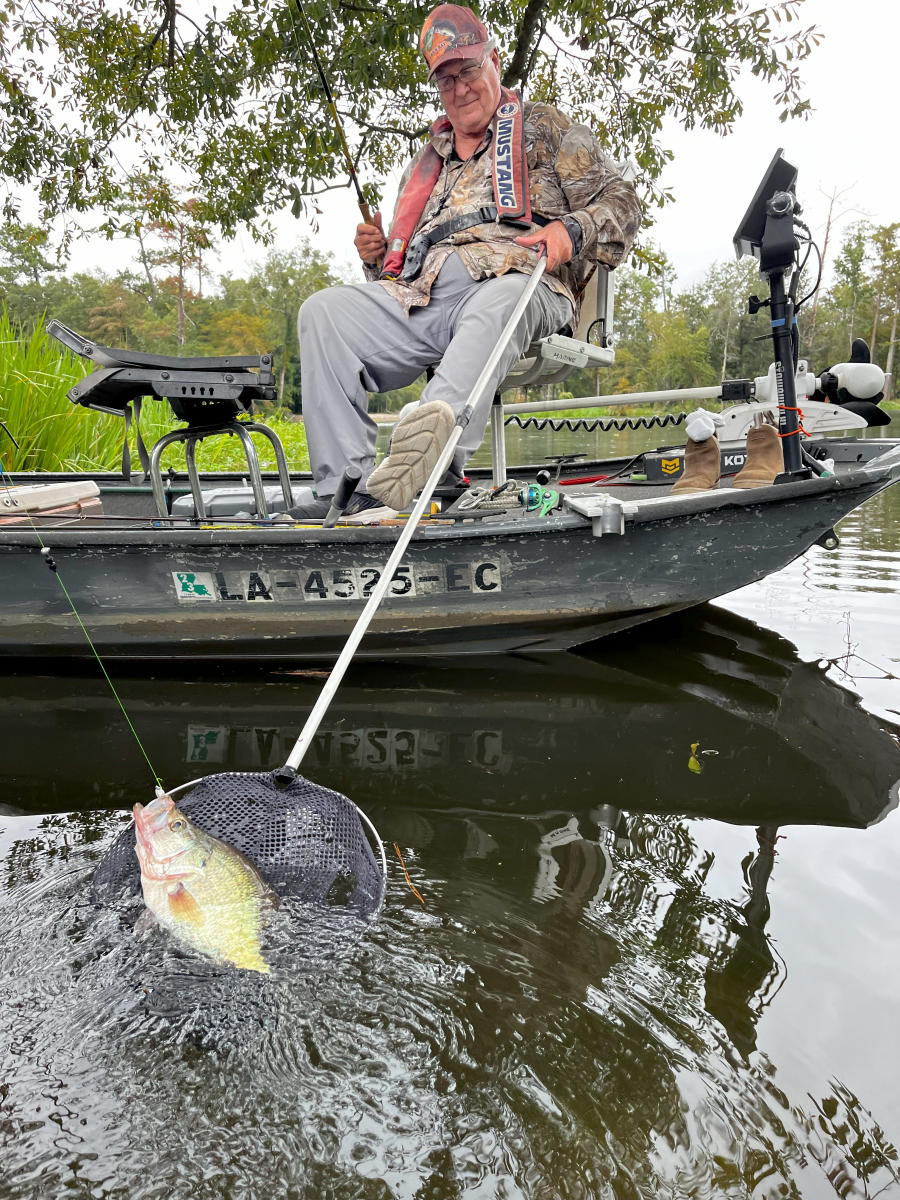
pixel 665 337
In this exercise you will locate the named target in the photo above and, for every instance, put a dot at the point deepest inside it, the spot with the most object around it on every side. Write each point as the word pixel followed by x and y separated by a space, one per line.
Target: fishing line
pixel 47 556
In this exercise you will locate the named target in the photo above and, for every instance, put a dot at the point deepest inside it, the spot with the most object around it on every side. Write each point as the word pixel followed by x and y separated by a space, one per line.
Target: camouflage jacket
pixel 568 174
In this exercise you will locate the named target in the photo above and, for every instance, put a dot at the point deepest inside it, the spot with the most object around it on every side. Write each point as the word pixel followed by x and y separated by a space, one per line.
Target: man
pixel 497 182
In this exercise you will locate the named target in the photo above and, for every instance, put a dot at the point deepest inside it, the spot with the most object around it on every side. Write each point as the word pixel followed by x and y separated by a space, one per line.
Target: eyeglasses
pixel 446 83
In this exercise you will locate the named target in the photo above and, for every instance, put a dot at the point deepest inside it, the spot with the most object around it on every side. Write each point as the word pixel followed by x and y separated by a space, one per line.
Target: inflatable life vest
pixel 510 178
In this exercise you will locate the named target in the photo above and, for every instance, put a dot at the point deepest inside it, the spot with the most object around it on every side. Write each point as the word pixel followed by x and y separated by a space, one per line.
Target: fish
pixel 206 893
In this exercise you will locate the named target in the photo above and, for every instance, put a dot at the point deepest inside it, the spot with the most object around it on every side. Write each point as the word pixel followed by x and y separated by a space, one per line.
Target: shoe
pixel 453 481
pixel 765 458
pixel 701 466
pixel 317 509
pixel 416 445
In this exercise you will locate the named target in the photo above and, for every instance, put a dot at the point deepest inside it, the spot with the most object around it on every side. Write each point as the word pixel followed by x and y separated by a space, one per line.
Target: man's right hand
pixel 370 242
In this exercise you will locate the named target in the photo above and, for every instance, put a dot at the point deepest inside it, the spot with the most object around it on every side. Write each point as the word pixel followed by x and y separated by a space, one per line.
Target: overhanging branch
pixel 521 61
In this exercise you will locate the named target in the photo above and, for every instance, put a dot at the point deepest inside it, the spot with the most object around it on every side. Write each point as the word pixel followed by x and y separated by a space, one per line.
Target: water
pixel 657 956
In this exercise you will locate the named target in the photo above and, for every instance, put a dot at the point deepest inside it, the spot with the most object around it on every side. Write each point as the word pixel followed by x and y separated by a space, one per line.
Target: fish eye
pixel 178 824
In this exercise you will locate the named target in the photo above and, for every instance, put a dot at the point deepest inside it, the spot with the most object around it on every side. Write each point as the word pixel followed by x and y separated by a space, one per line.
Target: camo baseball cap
pixel 452 32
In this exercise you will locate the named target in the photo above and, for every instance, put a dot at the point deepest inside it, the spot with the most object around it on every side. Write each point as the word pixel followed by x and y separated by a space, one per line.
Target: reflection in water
pixel 613 725
pixel 577 1011
pixel 743 978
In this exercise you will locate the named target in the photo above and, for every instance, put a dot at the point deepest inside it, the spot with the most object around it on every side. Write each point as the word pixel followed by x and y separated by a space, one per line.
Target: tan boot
pixel 764 460
pixel 701 466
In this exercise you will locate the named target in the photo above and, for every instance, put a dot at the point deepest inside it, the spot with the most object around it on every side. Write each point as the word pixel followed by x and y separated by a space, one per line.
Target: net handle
pixel 333 682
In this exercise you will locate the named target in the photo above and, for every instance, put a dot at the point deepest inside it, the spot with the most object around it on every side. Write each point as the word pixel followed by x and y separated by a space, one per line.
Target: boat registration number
pixel 333 583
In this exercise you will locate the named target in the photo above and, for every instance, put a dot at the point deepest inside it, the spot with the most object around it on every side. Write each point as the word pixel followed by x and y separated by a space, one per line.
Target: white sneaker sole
pixel 416 446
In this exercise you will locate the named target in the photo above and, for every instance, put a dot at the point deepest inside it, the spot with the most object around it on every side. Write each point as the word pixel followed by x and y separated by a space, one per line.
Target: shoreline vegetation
pixel 52 434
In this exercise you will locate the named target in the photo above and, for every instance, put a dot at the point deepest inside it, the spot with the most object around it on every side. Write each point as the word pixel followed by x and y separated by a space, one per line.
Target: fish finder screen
pixel 779 177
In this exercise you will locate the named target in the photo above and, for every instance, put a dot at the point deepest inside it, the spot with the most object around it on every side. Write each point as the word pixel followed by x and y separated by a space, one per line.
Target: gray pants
pixel 356 339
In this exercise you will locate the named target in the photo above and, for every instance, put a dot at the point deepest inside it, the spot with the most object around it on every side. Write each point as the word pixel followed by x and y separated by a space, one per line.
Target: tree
pixel 886 283
pixel 26 254
pixel 231 100
pixel 184 235
pixel 885 277
pixel 280 284
pixel 738 347
pixel 679 357
pixel 853 284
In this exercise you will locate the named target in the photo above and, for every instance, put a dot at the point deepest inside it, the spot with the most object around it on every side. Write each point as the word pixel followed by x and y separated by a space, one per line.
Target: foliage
pixel 94 96
pixel 863 301
pixel 160 310
pixel 43 430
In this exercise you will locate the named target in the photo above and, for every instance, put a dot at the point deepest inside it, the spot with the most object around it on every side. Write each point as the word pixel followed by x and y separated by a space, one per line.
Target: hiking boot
pixel 701 466
pixel 416 445
pixel 764 460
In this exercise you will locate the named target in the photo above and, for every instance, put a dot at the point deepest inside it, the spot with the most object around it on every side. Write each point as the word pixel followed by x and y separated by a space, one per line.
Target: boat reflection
pixel 706 716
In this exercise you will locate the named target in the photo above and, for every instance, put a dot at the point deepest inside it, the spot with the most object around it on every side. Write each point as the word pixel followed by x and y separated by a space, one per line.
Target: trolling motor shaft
pixel 777 252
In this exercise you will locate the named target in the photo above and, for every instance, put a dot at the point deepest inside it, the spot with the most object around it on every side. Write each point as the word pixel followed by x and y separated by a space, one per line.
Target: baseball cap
pixel 451 32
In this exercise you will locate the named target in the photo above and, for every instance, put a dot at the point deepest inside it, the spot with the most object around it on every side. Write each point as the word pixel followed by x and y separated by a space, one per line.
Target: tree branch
pixel 519 64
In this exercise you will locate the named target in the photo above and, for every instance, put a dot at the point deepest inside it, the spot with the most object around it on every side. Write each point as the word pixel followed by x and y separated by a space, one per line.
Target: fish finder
pixel 780 177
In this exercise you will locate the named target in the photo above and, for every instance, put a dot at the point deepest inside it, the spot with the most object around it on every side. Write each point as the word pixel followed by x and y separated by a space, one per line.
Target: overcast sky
pixel 848 144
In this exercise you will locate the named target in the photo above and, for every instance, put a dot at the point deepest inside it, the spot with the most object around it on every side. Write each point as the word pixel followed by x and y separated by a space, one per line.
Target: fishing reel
pixel 538 500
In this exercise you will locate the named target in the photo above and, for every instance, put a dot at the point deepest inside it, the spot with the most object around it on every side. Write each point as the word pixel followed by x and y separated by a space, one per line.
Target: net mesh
pixel 305 840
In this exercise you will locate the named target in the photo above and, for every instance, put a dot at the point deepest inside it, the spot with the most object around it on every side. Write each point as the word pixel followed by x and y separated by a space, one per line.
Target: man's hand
pixel 556 238
pixel 370 242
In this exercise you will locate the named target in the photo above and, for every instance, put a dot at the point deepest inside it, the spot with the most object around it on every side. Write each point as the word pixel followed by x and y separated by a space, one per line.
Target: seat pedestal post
pixel 498 443
pixel 192 435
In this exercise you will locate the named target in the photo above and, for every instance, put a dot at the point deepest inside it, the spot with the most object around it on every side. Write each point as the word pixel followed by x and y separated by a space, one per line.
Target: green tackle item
pixel 535 499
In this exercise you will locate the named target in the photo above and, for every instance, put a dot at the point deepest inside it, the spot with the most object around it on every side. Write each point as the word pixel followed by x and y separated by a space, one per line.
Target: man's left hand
pixel 556 238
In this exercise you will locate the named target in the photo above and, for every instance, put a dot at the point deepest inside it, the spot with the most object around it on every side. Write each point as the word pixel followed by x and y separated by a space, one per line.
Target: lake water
pixel 658 954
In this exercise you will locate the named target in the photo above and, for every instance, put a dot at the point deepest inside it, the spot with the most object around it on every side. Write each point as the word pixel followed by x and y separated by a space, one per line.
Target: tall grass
pixel 55 435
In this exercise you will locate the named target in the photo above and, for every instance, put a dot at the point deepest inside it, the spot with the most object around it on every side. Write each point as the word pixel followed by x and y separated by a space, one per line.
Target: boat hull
pixel 508 584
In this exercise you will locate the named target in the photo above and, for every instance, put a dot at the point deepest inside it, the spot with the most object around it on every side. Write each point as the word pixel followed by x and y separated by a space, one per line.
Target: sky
pixel 846 147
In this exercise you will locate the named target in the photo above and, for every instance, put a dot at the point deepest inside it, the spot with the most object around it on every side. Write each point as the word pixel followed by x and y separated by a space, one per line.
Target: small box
pixel 230 501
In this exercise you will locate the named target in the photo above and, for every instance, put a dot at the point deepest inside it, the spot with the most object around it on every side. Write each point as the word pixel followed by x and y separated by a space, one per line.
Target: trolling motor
pixel 768 232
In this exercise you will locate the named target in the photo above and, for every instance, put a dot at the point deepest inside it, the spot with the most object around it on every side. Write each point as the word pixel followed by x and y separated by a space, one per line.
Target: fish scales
pixel 201 889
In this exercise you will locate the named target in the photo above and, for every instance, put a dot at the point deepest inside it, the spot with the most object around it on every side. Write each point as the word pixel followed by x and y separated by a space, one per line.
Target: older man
pixel 497 181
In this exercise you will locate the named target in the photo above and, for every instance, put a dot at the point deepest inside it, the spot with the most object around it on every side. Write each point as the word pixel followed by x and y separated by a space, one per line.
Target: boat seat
pixel 209 394
pixel 553 358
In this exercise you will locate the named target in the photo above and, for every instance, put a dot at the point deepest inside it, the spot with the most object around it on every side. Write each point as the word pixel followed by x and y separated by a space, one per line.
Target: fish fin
pixel 144 922
pixel 183 906
pixel 252 960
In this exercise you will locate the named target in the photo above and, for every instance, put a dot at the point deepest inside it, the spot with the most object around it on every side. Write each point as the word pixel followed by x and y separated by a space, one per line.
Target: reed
pixel 46 432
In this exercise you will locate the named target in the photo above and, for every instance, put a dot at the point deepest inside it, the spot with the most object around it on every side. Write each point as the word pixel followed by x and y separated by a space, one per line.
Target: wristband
pixel 574 230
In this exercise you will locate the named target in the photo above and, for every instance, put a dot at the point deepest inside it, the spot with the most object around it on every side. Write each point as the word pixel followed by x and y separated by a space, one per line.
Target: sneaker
pixel 317 509
pixel 416 445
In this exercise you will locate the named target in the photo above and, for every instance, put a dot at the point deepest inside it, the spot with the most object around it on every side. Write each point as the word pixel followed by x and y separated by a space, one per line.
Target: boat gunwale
pixel 89 530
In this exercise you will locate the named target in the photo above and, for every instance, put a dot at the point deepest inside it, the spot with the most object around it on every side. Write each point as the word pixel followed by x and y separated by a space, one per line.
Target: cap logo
pixel 438 39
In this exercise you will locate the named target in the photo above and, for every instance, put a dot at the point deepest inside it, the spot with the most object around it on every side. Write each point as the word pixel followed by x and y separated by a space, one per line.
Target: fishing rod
pixel 363 206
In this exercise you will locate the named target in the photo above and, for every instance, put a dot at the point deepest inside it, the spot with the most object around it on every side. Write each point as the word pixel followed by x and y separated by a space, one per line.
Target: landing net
pixel 306 841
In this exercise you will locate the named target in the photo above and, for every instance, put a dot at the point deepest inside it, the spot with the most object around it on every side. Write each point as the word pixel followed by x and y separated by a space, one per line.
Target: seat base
pixel 242 430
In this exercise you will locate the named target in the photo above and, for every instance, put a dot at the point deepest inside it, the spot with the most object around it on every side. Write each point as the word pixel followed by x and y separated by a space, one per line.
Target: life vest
pixel 510 178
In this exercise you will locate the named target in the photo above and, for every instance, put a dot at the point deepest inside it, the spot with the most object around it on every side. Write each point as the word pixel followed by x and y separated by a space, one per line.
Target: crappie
pixel 201 889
